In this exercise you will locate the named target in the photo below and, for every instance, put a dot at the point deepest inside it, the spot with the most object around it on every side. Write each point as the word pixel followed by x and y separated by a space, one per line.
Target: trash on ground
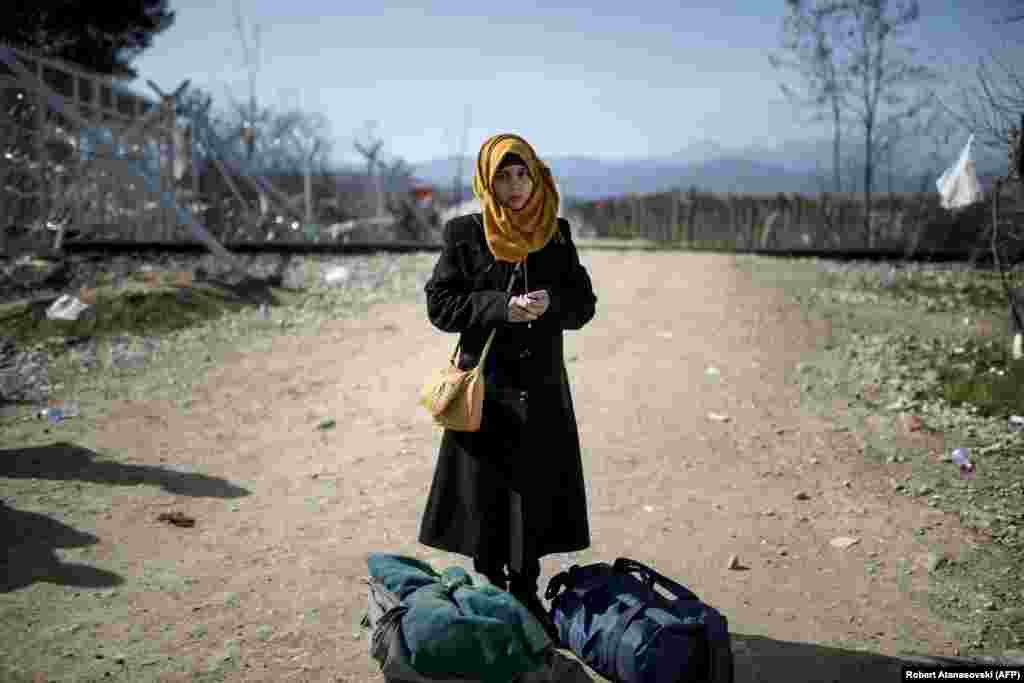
pixel 648 508
pixel 936 561
pixel 961 458
pixel 337 275
pixel 912 423
pixel 843 542
pixel 127 360
pixel 66 308
pixel 1016 423
pixel 718 418
pixel 712 371
pixel 56 413
pixel 177 519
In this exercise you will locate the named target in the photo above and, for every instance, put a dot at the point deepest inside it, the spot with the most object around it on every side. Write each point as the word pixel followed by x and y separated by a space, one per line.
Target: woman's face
pixel 513 185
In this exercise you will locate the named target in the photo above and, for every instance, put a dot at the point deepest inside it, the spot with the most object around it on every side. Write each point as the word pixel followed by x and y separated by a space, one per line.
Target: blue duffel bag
pixel 613 619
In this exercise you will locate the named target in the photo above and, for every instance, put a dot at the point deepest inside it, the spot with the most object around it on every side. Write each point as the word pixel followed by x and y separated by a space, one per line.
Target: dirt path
pixel 267 586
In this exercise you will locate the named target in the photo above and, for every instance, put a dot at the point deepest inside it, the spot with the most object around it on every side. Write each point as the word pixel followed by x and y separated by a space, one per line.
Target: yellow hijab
pixel 511 235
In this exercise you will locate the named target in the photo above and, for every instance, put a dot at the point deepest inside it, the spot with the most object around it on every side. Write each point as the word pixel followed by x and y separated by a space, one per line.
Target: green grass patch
pixel 909 342
pixel 135 310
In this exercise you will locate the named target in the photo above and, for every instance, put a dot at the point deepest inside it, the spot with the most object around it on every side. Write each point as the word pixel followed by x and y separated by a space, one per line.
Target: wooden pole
pixel 691 219
pixel 195 162
pixel 674 229
pixel 168 173
pixel 40 122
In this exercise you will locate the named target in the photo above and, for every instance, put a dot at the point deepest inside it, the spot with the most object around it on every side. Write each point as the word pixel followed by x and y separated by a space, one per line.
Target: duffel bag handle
pixel 651 577
pixel 563 579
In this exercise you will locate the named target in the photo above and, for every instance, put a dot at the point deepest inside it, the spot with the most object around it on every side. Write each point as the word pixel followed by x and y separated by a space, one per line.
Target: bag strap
pixel 563 579
pixel 651 577
pixel 490 338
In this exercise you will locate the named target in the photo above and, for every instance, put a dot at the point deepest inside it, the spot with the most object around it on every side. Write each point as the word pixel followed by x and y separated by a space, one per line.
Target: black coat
pixel 514 490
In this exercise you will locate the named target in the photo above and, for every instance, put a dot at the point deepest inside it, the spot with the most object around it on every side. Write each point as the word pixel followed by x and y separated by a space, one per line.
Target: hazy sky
pixel 611 80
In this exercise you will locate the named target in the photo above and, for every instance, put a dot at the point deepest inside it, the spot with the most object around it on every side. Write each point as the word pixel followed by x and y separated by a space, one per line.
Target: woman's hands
pixel 528 307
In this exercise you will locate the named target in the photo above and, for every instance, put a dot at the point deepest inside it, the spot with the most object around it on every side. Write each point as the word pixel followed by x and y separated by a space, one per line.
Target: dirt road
pixel 267 585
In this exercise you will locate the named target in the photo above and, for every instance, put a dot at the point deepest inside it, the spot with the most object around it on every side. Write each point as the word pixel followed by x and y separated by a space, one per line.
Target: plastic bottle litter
pixel 961 459
pixel 55 414
pixel 51 415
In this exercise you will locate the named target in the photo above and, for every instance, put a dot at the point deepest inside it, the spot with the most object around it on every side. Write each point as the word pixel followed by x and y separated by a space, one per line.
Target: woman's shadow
pixel 29 539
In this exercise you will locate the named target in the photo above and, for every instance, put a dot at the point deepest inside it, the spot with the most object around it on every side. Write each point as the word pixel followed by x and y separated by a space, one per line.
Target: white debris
pixel 337 275
pixel 843 542
pixel 66 308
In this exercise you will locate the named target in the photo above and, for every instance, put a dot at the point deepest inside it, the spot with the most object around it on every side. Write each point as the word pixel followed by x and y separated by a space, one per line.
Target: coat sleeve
pixel 452 305
pixel 573 305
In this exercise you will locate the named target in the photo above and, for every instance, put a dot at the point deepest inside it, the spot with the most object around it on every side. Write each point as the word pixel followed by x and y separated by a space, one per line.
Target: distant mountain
pixel 699 152
pixel 587 178
pixel 787 166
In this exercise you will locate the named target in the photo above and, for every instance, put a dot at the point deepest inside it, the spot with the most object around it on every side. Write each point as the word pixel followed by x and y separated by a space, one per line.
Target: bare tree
pixel 250 57
pixel 300 142
pixel 878 74
pixel 991 107
pixel 250 114
pixel 808 37
pixel 1014 18
pixel 370 148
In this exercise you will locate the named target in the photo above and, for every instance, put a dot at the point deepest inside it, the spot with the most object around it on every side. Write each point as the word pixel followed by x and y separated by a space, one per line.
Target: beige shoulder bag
pixel 454 397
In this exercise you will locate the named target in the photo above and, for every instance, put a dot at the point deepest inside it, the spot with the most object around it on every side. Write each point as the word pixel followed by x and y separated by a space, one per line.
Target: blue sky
pixel 622 80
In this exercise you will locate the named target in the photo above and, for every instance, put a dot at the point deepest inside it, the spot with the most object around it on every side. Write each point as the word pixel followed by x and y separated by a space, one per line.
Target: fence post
pixel 40 122
pixel 674 220
pixel 691 219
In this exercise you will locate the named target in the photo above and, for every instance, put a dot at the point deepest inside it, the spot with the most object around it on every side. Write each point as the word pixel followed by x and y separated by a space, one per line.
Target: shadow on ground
pixel 66 461
pixel 29 540
pixel 250 290
pixel 759 660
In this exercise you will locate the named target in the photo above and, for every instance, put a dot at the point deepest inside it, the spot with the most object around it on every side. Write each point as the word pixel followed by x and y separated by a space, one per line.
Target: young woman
pixel 513 491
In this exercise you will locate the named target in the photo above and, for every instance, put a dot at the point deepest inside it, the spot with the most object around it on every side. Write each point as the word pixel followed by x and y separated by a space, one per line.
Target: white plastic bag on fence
pixel 959 185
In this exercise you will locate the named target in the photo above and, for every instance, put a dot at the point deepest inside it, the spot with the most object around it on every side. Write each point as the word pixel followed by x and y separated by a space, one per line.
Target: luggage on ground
pixel 612 617
pixel 440 628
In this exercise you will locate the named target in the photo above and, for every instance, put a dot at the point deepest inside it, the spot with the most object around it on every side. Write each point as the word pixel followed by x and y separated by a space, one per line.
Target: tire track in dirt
pixel 291 556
